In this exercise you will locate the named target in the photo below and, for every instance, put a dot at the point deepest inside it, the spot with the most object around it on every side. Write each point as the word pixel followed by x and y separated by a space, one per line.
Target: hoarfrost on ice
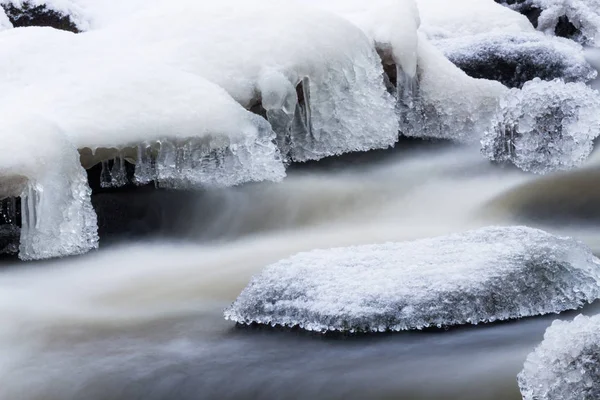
pixel 545 126
pixel 489 274
pixel 566 365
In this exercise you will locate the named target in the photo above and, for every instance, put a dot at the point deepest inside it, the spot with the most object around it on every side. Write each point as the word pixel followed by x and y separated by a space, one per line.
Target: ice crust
pixel 485 275
pixel 565 366
pixel 514 59
pixel 546 126
pixel 57 217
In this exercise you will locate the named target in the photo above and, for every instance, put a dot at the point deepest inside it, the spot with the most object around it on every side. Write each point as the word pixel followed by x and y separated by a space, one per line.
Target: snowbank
pixel 479 276
pixel 565 365
pixel 546 126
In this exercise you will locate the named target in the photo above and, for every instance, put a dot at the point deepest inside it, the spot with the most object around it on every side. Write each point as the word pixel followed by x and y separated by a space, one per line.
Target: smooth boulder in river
pixel 566 366
pixel 484 275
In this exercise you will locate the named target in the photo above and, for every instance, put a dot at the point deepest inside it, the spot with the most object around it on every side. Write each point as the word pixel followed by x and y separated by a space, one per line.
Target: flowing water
pixel 144 320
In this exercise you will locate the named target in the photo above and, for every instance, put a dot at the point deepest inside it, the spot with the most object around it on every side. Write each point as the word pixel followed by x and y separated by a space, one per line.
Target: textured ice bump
pixel 514 59
pixel 566 365
pixel 485 275
pixel 546 126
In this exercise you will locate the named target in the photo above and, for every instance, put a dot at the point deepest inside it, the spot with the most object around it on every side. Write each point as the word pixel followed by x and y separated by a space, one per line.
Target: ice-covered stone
pixel 566 365
pixel 490 274
pixel 514 59
pixel 545 126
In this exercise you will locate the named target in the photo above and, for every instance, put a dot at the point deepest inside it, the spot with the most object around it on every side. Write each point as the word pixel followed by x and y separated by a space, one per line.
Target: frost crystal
pixel 546 126
pixel 566 365
pixel 490 274
pixel 514 59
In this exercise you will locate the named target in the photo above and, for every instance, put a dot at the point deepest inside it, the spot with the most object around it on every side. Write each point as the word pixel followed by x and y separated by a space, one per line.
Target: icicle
pixel 118 173
pixel 144 166
pixel 105 178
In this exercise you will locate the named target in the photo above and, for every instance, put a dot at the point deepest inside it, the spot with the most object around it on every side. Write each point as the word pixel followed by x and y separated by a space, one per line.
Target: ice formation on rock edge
pixel 566 365
pixel 545 126
pixel 489 274
pixel 57 217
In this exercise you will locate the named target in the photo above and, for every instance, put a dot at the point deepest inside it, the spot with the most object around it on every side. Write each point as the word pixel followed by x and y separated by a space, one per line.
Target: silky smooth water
pixel 143 320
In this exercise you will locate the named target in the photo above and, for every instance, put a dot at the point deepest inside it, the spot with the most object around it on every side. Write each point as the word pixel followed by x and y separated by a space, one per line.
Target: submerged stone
pixel 566 365
pixel 485 275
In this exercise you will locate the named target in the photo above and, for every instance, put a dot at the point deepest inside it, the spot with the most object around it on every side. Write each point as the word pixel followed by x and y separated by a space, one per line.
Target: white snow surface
pixel 4 22
pixel 545 126
pixel 490 274
pixel 391 24
pixel 583 14
pixel 565 365
pixel 245 49
pixel 458 18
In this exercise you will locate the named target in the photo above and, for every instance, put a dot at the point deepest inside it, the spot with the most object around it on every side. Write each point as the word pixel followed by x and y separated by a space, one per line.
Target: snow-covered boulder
pixel 566 365
pixel 514 59
pixel 545 126
pixel 484 275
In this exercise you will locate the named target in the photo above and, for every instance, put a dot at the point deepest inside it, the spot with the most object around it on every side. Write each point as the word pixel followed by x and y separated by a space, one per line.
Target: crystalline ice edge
pixel 485 275
pixel 565 366
pixel 57 214
pixel 545 126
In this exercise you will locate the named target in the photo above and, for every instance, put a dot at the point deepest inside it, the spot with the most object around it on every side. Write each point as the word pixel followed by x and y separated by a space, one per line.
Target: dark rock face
pixel 514 60
pixel 30 15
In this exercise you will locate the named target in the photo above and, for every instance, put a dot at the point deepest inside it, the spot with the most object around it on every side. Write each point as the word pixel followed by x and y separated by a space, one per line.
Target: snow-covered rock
pixel 514 59
pixel 490 274
pixel 566 365
pixel 545 126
